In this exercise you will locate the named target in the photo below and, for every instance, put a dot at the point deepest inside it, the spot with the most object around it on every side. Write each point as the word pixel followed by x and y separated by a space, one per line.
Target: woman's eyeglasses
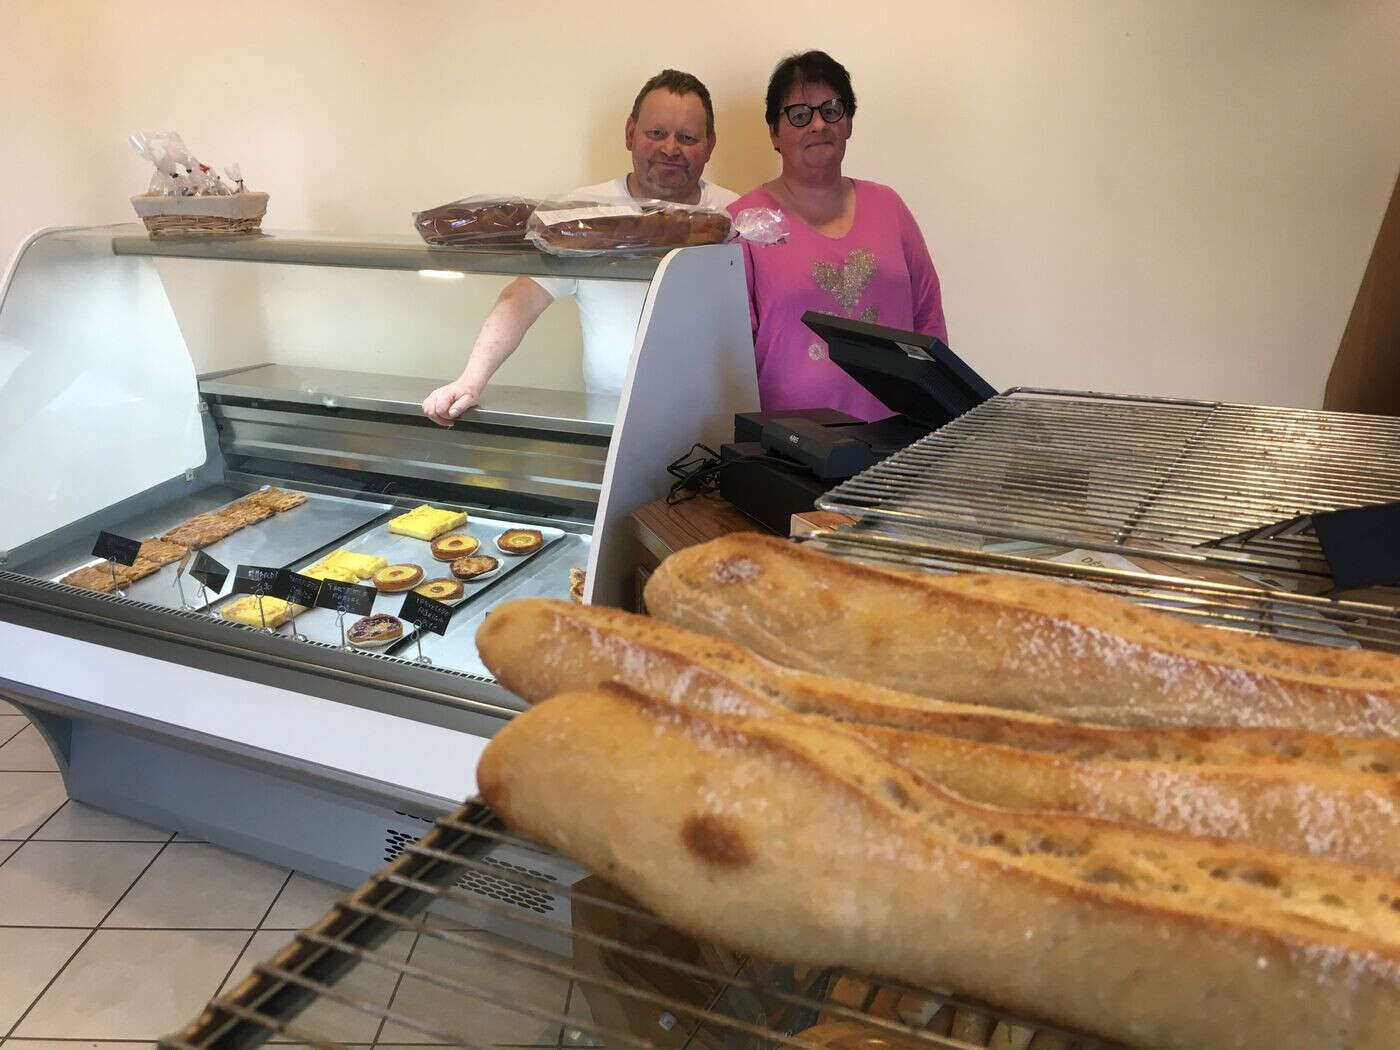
pixel 800 114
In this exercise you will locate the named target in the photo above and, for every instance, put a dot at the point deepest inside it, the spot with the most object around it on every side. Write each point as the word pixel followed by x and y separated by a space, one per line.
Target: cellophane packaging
pixel 480 221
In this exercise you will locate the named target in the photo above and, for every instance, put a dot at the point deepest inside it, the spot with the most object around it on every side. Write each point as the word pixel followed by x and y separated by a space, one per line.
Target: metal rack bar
pixel 1298 617
pixel 1153 476
pixel 768 1013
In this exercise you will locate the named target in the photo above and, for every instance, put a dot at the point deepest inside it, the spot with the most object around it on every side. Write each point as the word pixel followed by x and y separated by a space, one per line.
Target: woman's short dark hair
pixel 810 67
pixel 678 83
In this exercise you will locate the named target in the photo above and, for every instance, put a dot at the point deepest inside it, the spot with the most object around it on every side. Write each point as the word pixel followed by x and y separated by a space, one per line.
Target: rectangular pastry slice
pixel 202 530
pixel 245 512
pixel 363 566
pixel 322 571
pixel 277 500
pixel 97 578
pixel 245 610
pixel 162 552
pixel 427 523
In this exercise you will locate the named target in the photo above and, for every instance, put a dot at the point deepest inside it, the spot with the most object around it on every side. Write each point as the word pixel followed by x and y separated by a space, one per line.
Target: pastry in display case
pixel 274 647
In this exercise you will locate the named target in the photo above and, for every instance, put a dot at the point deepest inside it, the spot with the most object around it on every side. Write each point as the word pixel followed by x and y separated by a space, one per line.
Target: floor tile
pixel 7 708
pixel 372 984
pixel 28 751
pixel 68 883
pixel 182 837
pixel 134 984
pixel 77 821
pixel 466 1012
pixel 75 1044
pixel 6 848
pixel 28 958
pixel 194 885
pixel 27 800
pixel 301 902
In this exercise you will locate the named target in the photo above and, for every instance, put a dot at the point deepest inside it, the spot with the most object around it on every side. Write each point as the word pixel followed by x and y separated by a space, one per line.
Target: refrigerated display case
pixel 284 741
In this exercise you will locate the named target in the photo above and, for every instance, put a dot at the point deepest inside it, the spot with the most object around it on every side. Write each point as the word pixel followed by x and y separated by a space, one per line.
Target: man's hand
pixel 446 403
pixel 517 307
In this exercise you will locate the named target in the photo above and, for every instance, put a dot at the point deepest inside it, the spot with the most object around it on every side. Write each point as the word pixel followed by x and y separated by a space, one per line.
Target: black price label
pixel 425 613
pixel 116 548
pixel 301 590
pixel 260 579
pixel 346 597
pixel 208 571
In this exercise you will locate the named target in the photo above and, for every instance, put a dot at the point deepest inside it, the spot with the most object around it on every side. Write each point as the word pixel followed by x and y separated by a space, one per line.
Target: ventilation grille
pixel 484 884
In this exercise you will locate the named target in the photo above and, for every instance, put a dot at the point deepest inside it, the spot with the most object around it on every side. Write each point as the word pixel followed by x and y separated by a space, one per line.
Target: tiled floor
pixel 113 933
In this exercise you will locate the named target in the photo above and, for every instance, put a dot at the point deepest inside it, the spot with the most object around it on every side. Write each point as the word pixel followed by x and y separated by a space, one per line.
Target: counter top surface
pixel 513 406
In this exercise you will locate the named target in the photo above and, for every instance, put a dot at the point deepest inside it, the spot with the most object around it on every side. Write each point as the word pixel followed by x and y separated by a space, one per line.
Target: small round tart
pixel 520 541
pixel 398 577
pixel 454 545
pixel 445 590
pixel 474 567
pixel 374 632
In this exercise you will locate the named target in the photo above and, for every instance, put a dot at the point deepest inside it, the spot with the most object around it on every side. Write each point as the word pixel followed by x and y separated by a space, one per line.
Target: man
pixel 670 134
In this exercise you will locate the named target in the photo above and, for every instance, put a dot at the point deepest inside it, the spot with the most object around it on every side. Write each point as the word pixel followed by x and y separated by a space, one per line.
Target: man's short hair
pixel 810 67
pixel 678 83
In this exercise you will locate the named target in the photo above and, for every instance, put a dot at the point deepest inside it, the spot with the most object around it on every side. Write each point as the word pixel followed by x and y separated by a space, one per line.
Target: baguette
pixel 1289 791
pixel 1016 642
pixel 796 840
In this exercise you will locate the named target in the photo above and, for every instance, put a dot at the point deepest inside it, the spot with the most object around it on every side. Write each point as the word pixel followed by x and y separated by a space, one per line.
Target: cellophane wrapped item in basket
pixel 572 227
pixel 475 222
pixel 186 198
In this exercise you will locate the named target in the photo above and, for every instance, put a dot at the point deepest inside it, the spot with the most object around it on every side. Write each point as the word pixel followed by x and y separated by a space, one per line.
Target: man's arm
pixel 516 309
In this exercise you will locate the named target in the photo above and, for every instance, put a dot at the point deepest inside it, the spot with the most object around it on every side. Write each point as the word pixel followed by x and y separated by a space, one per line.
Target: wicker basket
pixel 237 213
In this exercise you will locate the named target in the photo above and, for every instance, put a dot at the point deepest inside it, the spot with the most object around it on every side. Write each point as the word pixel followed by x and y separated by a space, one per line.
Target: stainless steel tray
pixel 546 576
pixel 277 541
pixel 322 625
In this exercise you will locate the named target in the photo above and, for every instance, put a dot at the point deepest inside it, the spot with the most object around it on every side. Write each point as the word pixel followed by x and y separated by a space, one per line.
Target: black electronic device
pixel 781 462
pixel 822 449
pixel 915 375
pixel 767 489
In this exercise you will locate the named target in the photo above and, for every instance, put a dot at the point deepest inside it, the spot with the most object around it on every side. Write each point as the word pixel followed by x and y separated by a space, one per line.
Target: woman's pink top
pixel 879 272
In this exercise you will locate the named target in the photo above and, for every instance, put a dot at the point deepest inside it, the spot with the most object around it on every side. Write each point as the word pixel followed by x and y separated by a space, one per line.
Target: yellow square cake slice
pixel 363 566
pixel 427 523
pixel 322 571
pixel 245 610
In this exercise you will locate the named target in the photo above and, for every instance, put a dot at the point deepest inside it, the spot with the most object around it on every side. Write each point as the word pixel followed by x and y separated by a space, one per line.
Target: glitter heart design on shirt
pixel 849 283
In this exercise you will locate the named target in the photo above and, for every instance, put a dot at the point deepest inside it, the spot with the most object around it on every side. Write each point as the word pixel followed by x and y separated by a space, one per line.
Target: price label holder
pixel 211 574
pixel 116 550
pixel 426 615
pixel 345 598
pixel 301 593
pixel 262 581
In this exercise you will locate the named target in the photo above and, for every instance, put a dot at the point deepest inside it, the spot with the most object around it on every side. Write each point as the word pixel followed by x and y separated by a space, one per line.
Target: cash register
pixel 781 462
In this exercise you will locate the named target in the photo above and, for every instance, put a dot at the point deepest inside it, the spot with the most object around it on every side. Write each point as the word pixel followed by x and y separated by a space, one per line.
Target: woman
pixel 852 249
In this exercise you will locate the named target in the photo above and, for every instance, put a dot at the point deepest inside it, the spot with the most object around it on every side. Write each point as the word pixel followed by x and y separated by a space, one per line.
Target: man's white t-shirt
pixel 608 311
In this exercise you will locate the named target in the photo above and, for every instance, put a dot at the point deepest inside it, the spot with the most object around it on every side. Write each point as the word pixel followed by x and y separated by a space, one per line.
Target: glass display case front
pixel 273 487
pixel 241 572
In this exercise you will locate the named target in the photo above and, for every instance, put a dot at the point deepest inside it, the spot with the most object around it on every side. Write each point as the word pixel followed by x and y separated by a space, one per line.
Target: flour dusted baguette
pixel 1016 642
pixel 796 840
pixel 1290 791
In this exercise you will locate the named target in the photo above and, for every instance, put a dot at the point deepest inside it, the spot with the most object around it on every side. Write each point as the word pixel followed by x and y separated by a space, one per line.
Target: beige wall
pixel 1173 198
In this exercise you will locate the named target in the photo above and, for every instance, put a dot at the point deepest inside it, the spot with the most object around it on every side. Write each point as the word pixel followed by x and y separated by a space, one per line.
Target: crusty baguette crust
pixel 805 844
pixel 1016 642
pixel 1313 807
